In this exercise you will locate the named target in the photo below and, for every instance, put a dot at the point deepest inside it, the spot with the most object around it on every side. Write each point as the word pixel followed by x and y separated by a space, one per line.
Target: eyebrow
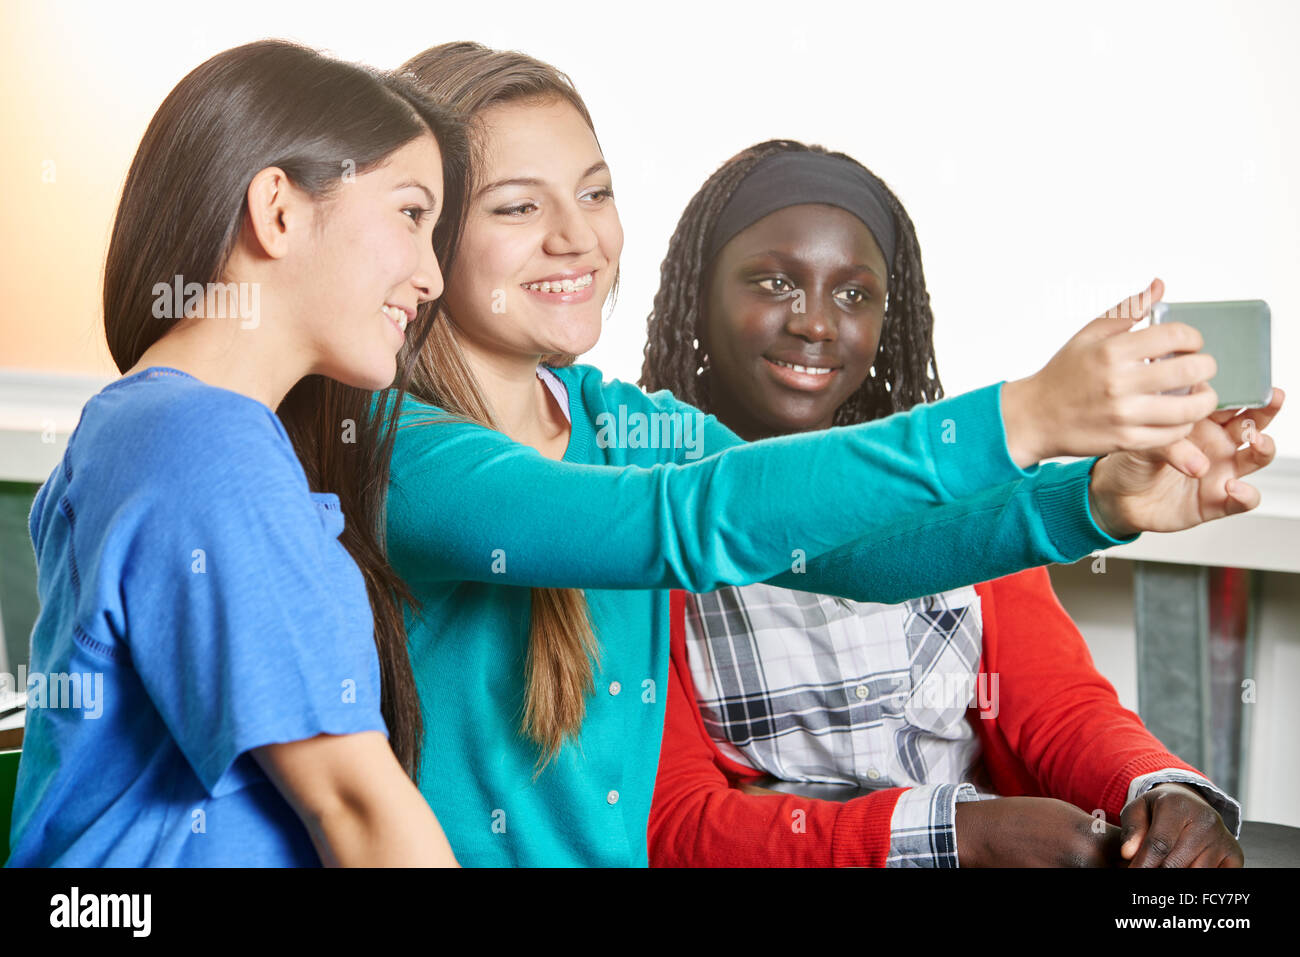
pixel 428 195
pixel 534 181
pixel 787 259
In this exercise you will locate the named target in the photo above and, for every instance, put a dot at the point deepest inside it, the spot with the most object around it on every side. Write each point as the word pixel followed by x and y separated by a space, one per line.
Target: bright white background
pixel 1053 159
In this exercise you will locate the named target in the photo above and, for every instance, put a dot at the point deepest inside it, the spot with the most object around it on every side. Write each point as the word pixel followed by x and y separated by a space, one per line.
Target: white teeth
pixel 811 370
pixel 560 285
pixel 397 315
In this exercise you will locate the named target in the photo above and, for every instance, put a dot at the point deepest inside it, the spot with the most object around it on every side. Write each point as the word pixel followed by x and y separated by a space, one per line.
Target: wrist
pixel 968 833
pixel 1019 422
pixel 1103 502
pixel 1190 788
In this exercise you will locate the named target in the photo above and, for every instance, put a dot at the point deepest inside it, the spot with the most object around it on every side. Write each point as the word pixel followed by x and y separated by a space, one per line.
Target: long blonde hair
pixel 562 645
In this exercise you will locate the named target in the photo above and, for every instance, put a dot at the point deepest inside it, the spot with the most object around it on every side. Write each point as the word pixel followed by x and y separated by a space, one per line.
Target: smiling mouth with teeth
pixel 811 370
pixel 560 285
pixel 397 315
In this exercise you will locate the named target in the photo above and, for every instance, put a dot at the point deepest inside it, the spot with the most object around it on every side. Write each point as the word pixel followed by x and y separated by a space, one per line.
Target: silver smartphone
pixel 1239 336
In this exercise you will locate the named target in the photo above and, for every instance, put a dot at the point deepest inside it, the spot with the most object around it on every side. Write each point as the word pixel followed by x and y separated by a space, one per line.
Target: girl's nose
pixel 569 231
pixel 815 320
pixel 428 279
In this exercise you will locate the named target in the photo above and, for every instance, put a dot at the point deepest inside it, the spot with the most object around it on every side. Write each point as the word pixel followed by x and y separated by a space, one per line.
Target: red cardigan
pixel 1059 732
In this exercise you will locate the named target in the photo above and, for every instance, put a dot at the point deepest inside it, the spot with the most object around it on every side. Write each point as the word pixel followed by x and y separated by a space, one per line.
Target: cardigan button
pixel 612 797
pixel 873 773
pixel 861 691
pixel 615 687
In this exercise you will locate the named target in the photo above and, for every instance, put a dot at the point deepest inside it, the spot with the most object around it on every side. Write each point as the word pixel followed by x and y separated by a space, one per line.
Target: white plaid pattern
pixel 817 688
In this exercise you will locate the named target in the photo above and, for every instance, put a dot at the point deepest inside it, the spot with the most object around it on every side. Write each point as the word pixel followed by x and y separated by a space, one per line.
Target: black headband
pixel 792 179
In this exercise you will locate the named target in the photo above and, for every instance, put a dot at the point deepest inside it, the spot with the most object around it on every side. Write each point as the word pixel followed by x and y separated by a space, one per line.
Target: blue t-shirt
pixel 195 603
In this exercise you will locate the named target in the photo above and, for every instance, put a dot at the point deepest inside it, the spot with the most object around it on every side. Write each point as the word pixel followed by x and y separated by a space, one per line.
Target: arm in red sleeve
pixel 698 819
pixel 1054 710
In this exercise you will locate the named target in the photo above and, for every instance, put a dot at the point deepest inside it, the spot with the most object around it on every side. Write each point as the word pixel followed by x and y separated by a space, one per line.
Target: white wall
pixel 1054 159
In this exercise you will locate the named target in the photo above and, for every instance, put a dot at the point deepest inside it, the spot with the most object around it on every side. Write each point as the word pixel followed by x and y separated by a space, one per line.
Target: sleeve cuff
pixel 1229 809
pixel 223 771
pixel 1063 500
pixel 922 830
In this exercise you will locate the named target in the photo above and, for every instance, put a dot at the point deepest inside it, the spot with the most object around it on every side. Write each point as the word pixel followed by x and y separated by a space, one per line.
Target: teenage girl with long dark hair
pixel 275 236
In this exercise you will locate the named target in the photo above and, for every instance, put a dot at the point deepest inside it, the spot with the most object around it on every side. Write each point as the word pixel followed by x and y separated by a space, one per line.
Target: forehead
pixel 809 230
pixel 546 135
pixel 419 161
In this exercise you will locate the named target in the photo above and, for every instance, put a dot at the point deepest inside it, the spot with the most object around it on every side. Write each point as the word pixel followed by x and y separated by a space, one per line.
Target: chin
pixel 804 419
pixel 371 378
pixel 575 344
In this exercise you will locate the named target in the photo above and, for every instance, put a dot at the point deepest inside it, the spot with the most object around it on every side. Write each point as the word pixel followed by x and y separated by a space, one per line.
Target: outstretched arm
pixel 467 503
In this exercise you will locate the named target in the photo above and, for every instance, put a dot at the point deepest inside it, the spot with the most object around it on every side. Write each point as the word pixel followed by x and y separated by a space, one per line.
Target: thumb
pixel 1134 821
pixel 1121 317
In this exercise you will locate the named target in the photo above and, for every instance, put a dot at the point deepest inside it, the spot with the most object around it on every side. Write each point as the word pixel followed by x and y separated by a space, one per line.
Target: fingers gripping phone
pixel 1239 336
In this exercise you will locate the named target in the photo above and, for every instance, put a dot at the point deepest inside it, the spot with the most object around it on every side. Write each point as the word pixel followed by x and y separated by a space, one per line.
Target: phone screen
pixel 1239 336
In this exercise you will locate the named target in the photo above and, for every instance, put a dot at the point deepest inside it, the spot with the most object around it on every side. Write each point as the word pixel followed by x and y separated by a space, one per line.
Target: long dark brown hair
pixel 905 371
pixel 562 644
pixel 275 103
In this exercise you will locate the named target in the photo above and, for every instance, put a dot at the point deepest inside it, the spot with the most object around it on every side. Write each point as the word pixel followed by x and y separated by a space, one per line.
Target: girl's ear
pixel 276 210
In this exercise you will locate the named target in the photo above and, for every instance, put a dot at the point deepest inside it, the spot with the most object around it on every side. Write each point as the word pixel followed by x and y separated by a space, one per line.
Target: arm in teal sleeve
pixel 1040 519
pixel 467 503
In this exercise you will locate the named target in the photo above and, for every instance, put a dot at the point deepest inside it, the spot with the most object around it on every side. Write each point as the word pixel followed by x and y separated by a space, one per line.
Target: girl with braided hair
pixel 793 299
pixel 540 515
pixel 903 372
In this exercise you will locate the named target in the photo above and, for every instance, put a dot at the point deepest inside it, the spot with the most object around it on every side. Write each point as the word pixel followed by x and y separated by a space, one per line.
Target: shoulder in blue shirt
pixel 195 604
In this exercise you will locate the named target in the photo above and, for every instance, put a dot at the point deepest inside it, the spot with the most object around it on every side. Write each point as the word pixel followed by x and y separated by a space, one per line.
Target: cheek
pixel 467 273
pixel 755 324
pixel 731 322
pixel 611 236
pixel 486 277
pixel 399 249
pixel 866 338
pixel 494 259
pixel 758 323
pixel 744 331
pixel 371 253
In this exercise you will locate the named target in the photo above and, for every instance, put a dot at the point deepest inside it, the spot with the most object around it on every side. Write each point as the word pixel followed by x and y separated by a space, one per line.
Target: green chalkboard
pixel 8 783
pixel 18 604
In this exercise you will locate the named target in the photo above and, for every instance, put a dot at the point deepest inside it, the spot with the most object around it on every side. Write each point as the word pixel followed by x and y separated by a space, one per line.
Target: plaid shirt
pixel 817 688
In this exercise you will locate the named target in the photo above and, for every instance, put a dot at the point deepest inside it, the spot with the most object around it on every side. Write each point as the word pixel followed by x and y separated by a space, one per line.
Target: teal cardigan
pixel 905 506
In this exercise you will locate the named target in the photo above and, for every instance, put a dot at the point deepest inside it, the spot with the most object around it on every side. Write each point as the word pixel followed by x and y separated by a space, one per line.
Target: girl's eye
pixel 419 211
pixel 602 194
pixel 859 294
pixel 776 280
pixel 519 210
